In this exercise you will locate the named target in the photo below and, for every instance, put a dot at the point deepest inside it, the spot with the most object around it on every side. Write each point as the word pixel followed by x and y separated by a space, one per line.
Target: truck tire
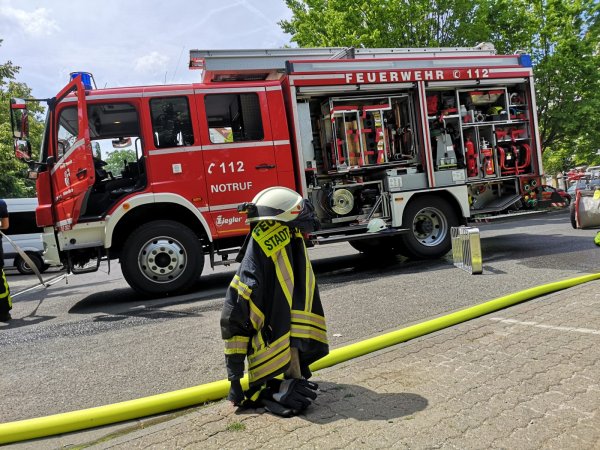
pixel 429 220
pixel 24 268
pixel 572 215
pixel 162 257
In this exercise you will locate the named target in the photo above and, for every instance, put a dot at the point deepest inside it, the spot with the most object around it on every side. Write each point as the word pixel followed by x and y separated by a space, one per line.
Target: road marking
pixel 541 325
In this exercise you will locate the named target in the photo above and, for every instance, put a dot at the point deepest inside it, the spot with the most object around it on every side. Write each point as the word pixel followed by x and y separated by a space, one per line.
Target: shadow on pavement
pixel 361 268
pixel 534 251
pixel 353 268
pixel 121 304
pixel 24 321
pixel 558 216
pixel 145 313
pixel 342 401
pixel 330 271
pixel 31 319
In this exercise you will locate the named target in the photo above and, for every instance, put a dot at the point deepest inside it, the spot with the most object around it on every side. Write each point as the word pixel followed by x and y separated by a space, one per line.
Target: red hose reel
pixel 514 159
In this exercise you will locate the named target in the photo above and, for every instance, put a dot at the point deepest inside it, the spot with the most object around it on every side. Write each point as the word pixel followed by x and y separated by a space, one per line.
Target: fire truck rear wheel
pixel 429 220
pixel 162 257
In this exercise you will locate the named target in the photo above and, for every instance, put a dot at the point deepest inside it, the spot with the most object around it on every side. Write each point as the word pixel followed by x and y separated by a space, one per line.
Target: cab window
pixel 68 129
pixel 233 118
pixel 109 122
pixel 171 122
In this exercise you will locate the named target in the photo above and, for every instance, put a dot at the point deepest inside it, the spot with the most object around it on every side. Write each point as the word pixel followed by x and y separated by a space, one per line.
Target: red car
pixel 555 195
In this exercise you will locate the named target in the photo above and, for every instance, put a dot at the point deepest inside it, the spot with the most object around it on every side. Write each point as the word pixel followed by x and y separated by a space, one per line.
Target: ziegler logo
pixel 227 221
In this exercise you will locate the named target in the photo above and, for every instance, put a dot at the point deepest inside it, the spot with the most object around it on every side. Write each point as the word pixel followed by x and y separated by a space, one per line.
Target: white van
pixel 23 230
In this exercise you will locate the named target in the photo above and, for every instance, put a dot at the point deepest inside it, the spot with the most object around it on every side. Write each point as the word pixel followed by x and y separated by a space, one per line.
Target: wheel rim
pixel 162 259
pixel 25 267
pixel 430 226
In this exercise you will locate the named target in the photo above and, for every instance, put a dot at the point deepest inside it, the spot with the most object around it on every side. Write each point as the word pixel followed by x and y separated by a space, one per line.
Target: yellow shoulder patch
pixel 271 236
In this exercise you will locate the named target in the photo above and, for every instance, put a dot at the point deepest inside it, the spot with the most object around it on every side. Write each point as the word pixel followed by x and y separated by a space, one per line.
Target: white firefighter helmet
pixel 376 225
pixel 275 203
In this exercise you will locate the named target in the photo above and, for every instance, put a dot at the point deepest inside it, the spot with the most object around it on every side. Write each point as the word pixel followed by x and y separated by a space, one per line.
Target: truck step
pixel 338 230
pixel 224 254
pixel 359 236
pixel 499 204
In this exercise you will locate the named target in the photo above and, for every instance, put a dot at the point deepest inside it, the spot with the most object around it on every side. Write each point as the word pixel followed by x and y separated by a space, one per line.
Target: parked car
pixel 553 194
pixel 571 190
pixel 583 184
pixel 23 230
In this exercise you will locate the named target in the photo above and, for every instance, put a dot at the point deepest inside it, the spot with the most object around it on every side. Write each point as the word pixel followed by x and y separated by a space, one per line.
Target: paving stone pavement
pixel 527 377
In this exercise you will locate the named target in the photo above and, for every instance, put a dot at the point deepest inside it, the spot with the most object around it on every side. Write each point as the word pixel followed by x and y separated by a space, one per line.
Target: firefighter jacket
pixel 272 304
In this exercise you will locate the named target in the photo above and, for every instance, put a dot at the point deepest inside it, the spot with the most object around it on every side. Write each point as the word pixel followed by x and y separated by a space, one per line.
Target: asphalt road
pixel 93 341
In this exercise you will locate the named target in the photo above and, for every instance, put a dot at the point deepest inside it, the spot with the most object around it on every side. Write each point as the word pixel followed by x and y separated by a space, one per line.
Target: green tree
pixel 13 180
pixel 402 23
pixel 115 159
pixel 567 59
pixel 561 35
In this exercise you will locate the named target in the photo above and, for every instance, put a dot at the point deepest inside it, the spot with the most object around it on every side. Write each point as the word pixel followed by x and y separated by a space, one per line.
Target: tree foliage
pixel 567 58
pixel 115 160
pixel 561 35
pixel 13 181
pixel 404 23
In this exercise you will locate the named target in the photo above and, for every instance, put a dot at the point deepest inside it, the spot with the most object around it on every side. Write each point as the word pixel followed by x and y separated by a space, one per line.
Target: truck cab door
pixel 72 172
pixel 238 151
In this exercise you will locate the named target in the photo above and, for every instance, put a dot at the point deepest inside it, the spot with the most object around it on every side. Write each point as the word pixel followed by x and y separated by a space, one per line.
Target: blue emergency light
pixel 86 79
pixel 525 60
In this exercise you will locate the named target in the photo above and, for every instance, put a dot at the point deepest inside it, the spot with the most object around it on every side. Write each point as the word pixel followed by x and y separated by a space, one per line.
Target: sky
pixel 128 42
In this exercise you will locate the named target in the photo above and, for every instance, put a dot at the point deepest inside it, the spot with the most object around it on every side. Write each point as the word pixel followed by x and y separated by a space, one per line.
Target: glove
pixel 306 388
pixel 290 396
pixel 277 408
pixel 236 393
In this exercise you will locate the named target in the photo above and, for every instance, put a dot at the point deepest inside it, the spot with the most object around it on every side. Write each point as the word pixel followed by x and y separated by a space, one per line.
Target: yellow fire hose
pixel 132 409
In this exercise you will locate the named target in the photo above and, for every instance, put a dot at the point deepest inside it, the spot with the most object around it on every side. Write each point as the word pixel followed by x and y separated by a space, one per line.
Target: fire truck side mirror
pixel 19 118
pixel 19 121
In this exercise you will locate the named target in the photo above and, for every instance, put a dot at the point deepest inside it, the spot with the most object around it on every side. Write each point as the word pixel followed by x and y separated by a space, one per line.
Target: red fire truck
pixel 393 146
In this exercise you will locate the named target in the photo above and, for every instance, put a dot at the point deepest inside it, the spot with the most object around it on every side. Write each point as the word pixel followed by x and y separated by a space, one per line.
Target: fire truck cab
pixel 418 139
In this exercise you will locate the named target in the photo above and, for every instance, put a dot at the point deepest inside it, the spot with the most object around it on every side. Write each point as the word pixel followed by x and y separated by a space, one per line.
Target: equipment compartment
pixel 367 131
pixel 360 148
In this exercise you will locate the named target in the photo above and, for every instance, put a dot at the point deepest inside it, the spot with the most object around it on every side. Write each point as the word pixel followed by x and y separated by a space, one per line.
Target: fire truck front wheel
pixel 162 257
pixel 429 220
